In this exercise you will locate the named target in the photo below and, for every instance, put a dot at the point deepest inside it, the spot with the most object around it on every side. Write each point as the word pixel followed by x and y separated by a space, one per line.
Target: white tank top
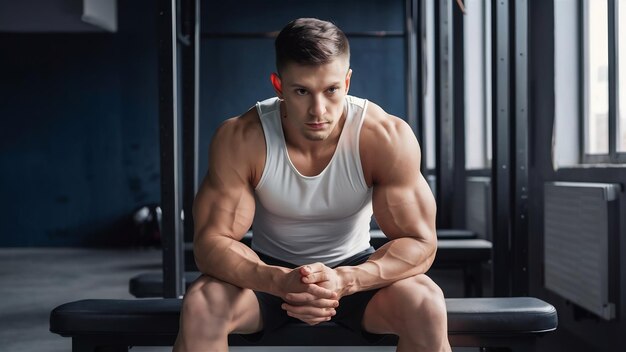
pixel 306 219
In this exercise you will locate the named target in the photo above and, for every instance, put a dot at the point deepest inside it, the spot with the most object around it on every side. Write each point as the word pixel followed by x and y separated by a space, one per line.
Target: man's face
pixel 314 97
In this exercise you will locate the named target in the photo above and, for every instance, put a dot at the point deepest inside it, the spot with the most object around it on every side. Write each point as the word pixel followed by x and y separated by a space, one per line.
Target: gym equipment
pixel 505 324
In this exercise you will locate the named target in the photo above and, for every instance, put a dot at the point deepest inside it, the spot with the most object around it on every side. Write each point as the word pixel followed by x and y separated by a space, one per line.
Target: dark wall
pixel 79 137
pixel 79 142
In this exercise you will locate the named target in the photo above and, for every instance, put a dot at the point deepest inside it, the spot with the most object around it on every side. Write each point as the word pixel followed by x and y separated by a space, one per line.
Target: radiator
pixel 579 222
pixel 478 206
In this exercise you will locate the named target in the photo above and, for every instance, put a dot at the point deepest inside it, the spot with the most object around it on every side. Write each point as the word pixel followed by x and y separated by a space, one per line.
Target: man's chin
pixel 316 136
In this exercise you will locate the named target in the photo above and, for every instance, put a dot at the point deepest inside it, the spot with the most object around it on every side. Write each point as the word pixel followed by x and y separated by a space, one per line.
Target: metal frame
pixel 410 64
pixel 414 21
pixel 611 16
pixel 443 121
pixel 273 34
pixel 582 58
pixel 620 155
pixel 487 51
pixel 169 127
pixel 501 175
pixel 450 119
pixel 520 233
pixel 190 108
pixel 457 101
pixel 510 184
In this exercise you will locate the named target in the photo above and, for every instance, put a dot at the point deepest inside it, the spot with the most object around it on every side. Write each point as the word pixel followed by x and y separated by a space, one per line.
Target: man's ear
pixel 277 84
pixel 348 77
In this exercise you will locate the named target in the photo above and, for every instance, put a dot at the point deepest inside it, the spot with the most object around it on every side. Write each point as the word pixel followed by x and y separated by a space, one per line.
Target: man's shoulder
pixel 244 127
pixel 380 124
pixel 384 139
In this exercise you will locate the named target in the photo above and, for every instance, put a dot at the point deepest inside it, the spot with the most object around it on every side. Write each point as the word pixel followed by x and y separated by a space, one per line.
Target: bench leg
pixel 478 279
pixel 473 280
pixel 89 345
pixel 82 345
pixel 515 346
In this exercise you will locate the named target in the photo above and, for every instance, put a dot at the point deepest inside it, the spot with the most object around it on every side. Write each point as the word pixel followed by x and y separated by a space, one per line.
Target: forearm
pixel 232 261
pixel 396 260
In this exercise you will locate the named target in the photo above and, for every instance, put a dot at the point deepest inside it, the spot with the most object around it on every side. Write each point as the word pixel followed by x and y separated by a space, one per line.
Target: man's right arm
pixel 223 212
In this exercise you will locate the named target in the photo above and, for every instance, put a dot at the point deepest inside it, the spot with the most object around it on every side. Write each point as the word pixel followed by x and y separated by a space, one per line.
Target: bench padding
pixel 157 320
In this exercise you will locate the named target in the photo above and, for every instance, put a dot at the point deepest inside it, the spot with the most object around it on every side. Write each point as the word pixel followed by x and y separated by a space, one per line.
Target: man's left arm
pixel 404 208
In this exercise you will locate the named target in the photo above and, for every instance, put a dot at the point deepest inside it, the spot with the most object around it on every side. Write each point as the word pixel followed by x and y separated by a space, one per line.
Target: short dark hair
pixel 310 41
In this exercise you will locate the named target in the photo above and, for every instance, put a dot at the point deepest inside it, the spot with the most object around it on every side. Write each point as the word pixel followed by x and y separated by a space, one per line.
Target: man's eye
pixel 300 91
pixel 333 90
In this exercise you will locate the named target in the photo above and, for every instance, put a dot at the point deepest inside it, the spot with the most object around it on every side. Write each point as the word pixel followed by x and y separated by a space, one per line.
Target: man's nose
pixel 318 107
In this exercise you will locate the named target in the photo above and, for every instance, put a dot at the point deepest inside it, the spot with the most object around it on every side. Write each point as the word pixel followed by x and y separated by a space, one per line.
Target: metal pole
pixel 168 120
pixel 190 110
pixel 501 174
pixel 421 83
pixel 457 101
pixel 273 34
pixel 444 124
pixel 613 76
pixel 410 42
pixel 520 238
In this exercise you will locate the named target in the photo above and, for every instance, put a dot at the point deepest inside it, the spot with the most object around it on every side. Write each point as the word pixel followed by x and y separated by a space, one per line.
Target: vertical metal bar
pixel 444 127
pixel 501 152
pixel 457 102
pixel 410 64
pixel 486 66
pixel 414 91
pixel 190 83
pixel 582 78
pixel 437 103
pixel 519 237
pixel 613 77
pixel 168 120
pixel 421 82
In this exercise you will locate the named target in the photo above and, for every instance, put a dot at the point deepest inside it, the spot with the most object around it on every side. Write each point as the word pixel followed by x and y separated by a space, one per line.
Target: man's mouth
pixel 316 125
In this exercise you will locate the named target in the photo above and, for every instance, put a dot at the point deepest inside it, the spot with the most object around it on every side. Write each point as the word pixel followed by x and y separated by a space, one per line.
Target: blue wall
pixel 79 142
pixel 79 133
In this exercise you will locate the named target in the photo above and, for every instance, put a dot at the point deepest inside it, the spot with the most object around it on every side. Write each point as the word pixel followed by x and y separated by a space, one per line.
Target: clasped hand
pixel 312 293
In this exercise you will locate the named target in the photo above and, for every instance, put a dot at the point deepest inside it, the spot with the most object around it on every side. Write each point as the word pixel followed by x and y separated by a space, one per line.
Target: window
pixel 567 82
pixel 604 73
pixel 477 70
pixel 596 69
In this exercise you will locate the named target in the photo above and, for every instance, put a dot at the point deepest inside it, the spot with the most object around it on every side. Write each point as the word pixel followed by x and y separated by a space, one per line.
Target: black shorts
pixel 349 313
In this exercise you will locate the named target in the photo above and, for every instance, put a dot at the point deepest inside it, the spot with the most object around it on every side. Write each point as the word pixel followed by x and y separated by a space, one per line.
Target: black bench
pixel 501 324
pixel 462 252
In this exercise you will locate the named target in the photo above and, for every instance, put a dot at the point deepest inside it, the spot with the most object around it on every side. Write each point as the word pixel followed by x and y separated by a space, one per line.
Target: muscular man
pixel 306 170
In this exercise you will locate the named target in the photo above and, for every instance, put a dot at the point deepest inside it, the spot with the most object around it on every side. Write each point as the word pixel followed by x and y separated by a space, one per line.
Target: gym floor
pixel 35 280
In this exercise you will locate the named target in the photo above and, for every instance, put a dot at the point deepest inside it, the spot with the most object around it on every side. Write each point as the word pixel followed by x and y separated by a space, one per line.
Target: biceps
pixel 405 210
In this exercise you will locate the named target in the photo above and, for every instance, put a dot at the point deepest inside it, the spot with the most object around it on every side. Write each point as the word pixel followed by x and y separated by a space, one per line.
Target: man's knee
pixel 210 298
pixel 418 300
